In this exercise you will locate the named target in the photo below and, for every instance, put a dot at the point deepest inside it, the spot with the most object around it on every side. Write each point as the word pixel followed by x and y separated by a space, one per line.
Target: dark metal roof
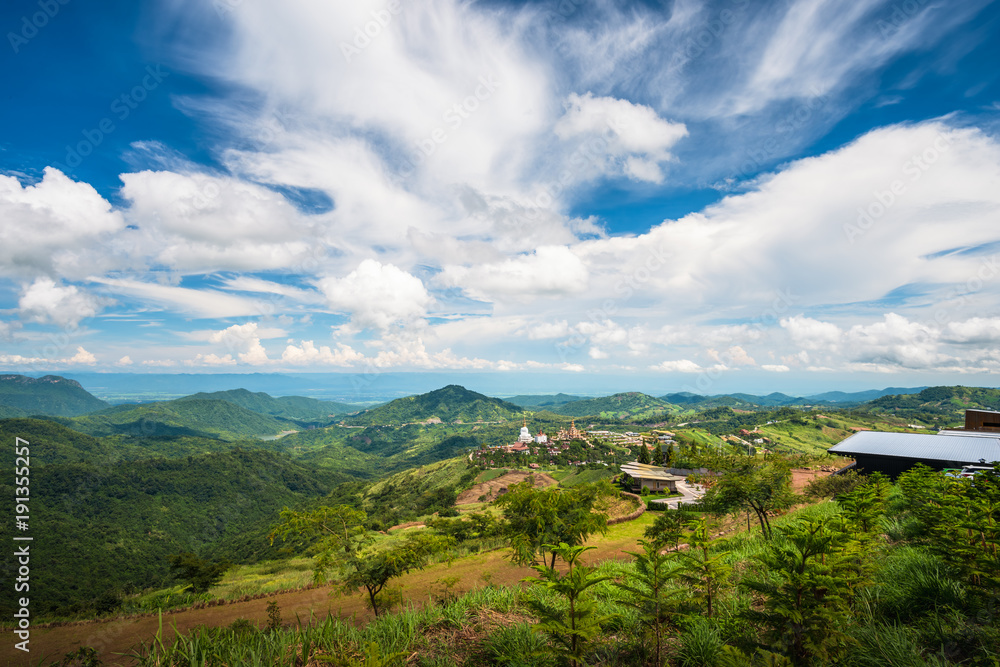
pixel 961 448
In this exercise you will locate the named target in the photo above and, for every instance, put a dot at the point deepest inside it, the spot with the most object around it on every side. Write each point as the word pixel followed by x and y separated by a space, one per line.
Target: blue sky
pixel 707 196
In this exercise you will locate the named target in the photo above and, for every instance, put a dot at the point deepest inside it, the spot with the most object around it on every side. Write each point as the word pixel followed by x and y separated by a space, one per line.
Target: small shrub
pixel 273 616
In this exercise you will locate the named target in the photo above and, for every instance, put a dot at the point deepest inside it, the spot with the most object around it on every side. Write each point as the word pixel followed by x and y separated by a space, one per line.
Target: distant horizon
pixel 350 387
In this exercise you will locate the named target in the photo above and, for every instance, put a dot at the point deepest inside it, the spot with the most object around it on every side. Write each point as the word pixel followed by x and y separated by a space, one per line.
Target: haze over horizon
pixel 700 196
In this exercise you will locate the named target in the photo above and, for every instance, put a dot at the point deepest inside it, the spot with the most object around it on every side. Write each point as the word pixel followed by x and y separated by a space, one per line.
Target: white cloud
pixel 974 330
pixel 678 366
pixel 776 368
pixel 54 227
pixel 46 302
pixel 82 357
pixel 812 334
pixel 551 271
pixel 377 296
pixel 306 353
pixel 628 131
pixel 202 303
pixel 212 360
pixel 244 340
pixel 124 361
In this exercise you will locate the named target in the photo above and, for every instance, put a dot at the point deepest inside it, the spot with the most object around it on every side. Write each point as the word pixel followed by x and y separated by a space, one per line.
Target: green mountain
pixel 944 405
pixel 51 443
pixel 298 408
pixel 449 404
pixel 537 401
pixel 627 405
pixel 103 529
pixel 49 395
pixel 183 417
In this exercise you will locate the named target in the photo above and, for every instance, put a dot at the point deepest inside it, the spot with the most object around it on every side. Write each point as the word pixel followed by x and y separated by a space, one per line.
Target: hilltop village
pixel 569 446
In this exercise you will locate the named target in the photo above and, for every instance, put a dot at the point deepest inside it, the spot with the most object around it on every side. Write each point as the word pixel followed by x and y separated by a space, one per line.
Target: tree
pixel 668 456
pixel 648 590
pixel 373 568
pixel 704 573
pixel 572 626
pixel 536 518
pixel 668 527
pixel 200 574
pixel 643 453
pixel 748 486
pixel 805 609
pixel 658 454
pixel 337 531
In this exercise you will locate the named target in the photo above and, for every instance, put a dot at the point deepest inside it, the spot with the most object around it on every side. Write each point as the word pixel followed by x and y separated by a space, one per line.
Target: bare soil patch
pixel 491 489
pixel 802 476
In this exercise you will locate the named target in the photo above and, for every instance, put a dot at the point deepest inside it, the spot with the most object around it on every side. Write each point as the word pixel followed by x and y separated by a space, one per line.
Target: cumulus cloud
pixel 244 340
pixel 46 302
pixel 307 353
pixel 377 296
pixel 551 271
pixel 635 137
pixel 82 357
pixel 54 227
pixel 677 366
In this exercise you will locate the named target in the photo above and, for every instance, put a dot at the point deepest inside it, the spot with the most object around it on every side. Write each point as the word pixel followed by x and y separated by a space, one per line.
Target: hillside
pixel 543 400
pixel 627 405
pixel 51 443
pixel 103 530
pixel 944 406
pixel 182 417
pixel 449 404
pixel 49 395
pixel 298 408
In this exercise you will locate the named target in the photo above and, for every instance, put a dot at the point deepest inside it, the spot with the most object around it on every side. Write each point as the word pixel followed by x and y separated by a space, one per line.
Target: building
pixel 525 436
pixel 541 438
pixel 895 453
pixel 982 420
pixel 654 478
pixel 571 434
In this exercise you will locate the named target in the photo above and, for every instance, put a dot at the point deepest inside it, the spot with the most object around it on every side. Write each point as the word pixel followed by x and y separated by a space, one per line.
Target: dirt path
pixel 491 489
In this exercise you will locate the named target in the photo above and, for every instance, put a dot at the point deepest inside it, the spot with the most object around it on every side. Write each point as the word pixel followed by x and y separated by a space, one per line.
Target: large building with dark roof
pixel 895 453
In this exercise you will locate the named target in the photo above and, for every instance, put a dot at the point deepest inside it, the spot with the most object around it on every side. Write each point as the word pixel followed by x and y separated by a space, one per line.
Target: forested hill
pixel 449 404
pixel 945 405
pixel 618 406
pixel 298 408
pixel 105 530
pixel 50 395
pixel 182 417
pixel 543 400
